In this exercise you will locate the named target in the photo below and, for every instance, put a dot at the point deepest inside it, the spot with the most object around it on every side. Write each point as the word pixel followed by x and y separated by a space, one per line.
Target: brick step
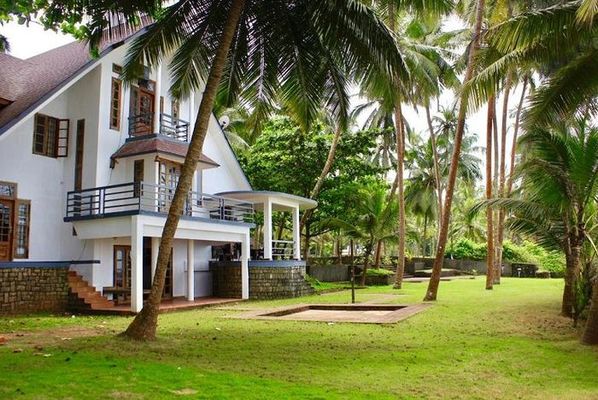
pixel 86 296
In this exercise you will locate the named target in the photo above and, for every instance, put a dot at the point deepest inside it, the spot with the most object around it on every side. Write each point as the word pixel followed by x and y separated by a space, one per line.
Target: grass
pixel 506 343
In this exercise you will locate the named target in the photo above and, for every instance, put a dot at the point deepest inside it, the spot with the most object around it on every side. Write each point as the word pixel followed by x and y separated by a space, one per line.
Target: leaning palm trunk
pixel 432 291
pixel 327 167
pixel 590 335
pixel 489 211
pixel 502 180
pixel 145 323
pixel 400 134
pixel 436 164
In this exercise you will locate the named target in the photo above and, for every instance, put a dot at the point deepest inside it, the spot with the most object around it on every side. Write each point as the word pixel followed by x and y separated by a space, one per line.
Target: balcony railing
pixel 143 125
pixel 135 197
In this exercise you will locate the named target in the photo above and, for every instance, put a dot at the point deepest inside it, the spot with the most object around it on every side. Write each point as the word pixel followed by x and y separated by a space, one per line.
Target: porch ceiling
pixel 280 201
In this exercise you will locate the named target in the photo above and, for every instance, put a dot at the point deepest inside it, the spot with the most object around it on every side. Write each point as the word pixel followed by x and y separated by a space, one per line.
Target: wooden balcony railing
pixel 135 197
pixel 143 125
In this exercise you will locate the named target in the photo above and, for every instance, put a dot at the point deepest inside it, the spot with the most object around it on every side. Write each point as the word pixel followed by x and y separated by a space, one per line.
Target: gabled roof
pixel 159 145
pixel 27 83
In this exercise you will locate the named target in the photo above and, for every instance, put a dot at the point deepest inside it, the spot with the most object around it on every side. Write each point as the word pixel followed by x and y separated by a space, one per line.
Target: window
pixel 138 168
pixel 50 136
pixel 115 100
pixel 22 229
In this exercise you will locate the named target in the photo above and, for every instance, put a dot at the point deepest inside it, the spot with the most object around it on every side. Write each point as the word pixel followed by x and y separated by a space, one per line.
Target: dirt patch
pixel 50 337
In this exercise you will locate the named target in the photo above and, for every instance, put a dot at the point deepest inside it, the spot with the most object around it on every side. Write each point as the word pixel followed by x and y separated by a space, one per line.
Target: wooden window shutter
pixel 62 144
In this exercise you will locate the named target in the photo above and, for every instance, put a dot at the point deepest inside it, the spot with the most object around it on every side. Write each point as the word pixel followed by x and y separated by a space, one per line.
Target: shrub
pixel 378 272
pixel 528 252
pixel 465 249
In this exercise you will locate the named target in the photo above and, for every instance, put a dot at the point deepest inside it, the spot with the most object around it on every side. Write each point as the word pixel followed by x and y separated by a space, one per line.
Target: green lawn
pixel 508 343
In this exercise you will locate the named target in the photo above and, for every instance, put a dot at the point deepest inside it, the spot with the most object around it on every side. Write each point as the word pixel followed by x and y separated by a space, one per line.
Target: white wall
pixel 45 181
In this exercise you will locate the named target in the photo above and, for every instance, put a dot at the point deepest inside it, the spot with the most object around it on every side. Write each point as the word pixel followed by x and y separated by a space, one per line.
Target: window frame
pixel 116 83
pixel 26 229
pixel 55 142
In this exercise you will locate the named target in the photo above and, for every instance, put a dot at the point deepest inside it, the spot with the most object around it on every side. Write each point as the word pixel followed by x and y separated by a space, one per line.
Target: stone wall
pixel 330 273
pixel 266 281
pixel 27 289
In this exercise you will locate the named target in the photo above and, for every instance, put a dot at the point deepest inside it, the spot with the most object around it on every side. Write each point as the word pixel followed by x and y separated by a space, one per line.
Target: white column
pixel 155 250
pixel 245 267
pixel 190 270
pixel 136 265
pixel 158 93
pixel 268 229
pixel 296 234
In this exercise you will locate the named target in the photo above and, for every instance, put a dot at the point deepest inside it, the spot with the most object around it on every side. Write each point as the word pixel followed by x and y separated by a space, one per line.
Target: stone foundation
pixel 28 289
pixel 267 279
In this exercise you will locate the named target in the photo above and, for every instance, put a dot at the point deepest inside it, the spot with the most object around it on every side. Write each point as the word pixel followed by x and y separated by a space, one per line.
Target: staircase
pixel 84 297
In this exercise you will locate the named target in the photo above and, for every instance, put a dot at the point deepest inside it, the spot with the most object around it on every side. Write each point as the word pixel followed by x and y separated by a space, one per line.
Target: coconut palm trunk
pixel 590 335
pixel 436 163
pixel 572 267
pixel 489 211
pixel 327 167
pixel 515 135
pixel 432 291
pixel 145 323
pixel 502 179
pixel 400 134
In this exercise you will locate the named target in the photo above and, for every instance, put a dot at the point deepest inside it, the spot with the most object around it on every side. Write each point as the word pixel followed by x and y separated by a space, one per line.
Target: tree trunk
pixel 378 255
pixel 489 211
pixel 366 263
pixel 145 323
pixel 515 134
pixel 307 240
pixel 327 167
pixel 502 178
pixel 425 238
pixel 571 274
pixel 436 164
pixel 590 335
pixel 432 291
pixel 400 134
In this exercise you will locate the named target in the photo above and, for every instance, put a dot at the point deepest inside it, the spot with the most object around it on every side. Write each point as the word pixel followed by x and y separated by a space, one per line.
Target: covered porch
pixel 269 202
pixel 128 249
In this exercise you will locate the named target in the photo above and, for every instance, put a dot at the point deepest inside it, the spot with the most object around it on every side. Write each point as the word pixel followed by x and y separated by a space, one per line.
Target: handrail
pixel 175 128
pixel 134 197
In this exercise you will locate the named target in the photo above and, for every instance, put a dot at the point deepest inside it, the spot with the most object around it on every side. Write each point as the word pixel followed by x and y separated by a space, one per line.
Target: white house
pixel 88 166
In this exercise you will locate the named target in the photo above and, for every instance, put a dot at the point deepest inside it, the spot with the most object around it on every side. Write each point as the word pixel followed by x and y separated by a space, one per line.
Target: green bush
pixel 465 249
pixel 527 252
pixel 378 272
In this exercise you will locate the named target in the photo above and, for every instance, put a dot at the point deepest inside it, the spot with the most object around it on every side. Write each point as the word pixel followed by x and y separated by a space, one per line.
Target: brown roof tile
pixel 158 144
pixel 27 82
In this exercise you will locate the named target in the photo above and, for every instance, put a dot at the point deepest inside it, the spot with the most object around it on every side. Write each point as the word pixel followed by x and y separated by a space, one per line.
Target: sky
pixel 28 41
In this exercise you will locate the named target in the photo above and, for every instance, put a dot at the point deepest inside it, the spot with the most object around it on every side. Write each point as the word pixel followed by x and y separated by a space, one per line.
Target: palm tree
pixel 375 221
pixel 423 63
pixel 288 50
pixel 559 42
pixel 432 291
pixel 559 188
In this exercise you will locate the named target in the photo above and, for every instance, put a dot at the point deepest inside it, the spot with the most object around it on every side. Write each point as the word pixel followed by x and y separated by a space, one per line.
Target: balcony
pixel 144 198
pixel 174 128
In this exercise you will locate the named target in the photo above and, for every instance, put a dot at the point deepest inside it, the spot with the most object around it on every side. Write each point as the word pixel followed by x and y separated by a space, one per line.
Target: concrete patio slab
pixel 353 313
